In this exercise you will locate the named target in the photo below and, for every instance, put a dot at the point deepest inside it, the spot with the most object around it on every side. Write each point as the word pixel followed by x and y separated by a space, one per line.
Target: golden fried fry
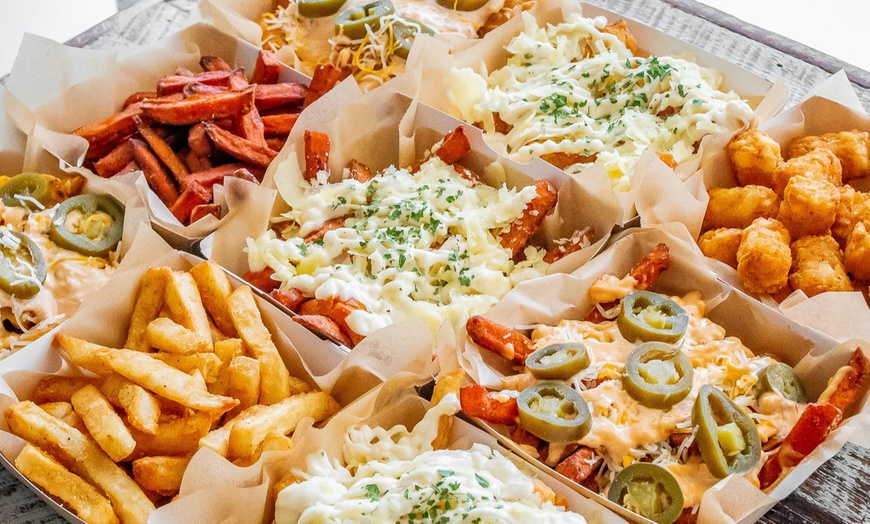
pixel 160 474
pixel 820 164
pixel 817 266
pixel 178 437
pixel 103 423
pixel 226 350
pixel 65 412
pixel 522 229
pixel 214 288
pixel 244 382
pixel 851 147
pixel 737 207
pixel 56 388
pixel 809 206
pixel 857 256
pixel 218 439
pixel 185 303
pixel 764 256
pixel 142 409
pixel 754 157
pixel 84 354
pixel 276 442
pixel 447 383
pixel 149 302
pixel 165 335
pixel 721 244
pixel 207 364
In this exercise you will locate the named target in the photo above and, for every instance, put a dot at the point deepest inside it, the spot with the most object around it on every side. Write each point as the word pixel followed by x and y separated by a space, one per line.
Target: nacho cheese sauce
pixel 422 245
pixel 572 88
pixel 314 40
pixel 70 276
pixel 395 476
pixel 623 431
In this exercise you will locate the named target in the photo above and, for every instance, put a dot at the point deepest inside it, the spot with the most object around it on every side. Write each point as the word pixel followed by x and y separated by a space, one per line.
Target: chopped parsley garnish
pixel 373 492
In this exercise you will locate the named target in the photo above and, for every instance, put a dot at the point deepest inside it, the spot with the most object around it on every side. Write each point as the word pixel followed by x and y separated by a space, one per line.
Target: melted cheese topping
pixel 70 276
pixel 422 245
pixel 624 431
pixel 371 58
pixel 572 88
pixel 393 475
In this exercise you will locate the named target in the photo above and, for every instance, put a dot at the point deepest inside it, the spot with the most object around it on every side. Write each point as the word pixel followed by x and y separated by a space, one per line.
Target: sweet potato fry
pixel 162 150
pixel 175 83
pixel 562 248
pixel 183 71
pixel 359 171
pixel 153 170
pixel 502 340
pixel 270 96
pixel 290 298
pixel 115 161
pixel 316 154
pixel 129 168
pixel 579 465
pixel 330 225
pixel 267 68
pixel 198 141
pixel 216 175
pixel 454 146
pixel 563 160
pixel 195 88
pixel 249 125
pixel 138 97
pixel 262 279
pixel 536 210
pixel 325 77
pixel 240 148
pixel 213 63
pixel 193 195
pixel 476 401
pixel 647 271
pixel 324 325
pixel 104 135
pixel 196 163
pixel 279 125
pixel 337 310
pixel 848 383
pixel 196 108
pixel 276 143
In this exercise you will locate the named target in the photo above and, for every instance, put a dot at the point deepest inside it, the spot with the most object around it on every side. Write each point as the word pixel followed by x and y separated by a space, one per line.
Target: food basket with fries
pixel 687 362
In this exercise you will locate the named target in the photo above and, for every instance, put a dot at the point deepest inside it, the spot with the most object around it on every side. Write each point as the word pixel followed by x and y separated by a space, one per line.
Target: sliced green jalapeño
pixel 647 316
pixel 726 435
pixel 88 224
pixel 318 8
pixel 23 188
pixel 657 375
pixel 353 22
pixel 648 490
pixel 558 361
pixel 462 5
pixel 404 34
pixel 554 412
pixel 782 379
pixel 22 266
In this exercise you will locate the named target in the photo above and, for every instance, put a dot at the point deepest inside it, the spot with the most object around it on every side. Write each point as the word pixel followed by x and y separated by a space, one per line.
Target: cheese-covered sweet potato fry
pixel 851 147
pixel 737 207
pixel 502 340
pixel 754 157
pixel 476 401
pixel 817 266
pixel 533 216
pixel 316 154
pixel 764 256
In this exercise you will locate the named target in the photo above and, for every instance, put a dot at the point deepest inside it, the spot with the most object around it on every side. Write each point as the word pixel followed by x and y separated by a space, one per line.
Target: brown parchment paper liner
pixel 103 319
pixel 394 402
pixel 831 106
pixel 657 191
pixel 815 356
pixel 54 89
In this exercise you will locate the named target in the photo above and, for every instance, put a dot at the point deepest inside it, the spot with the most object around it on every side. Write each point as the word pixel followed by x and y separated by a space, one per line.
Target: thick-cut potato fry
pixel 82 456
pixel 240 148
pixel 162 150
pixel 266 69
pixel 103 423
pixel 84 354
pixel 247 435
pixel 213 63
pixel 316 154
pixel 446 384
pixel 65 412
pixel 149 302
pixel 226 350
pixel 809 206
pixel 476 401
pixel 58 388
pixel 176 83
pixel 198 108
pixel 103 136
pixel 517 237
pixel 161 474
pixel 218 440
pixel 165 380
pixel 140 406
pixel 185 303
pixel 580 239
pixel 755 157
pixel 737 207
pixel 279 125
pixel 154 172
pixel 325 77
pixel 502 340
pixel 244 382
pixel 817 266
pixel 75 493
pixel 721 244
pixel 115 161
pixel 165 335
pixel 215 289
pixel 208 364
pixel 178 437
pixel 274 377
pixel 851 147
pixel 324 325
pixel 764 256
pixel 275 442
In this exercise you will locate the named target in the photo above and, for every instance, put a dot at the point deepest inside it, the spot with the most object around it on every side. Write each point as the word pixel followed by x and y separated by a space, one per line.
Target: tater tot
pixel 851 147
pixel 754 158
pixel 857 257
pixel 809 206
pixel 820 164
pixel 721 244
pixel 845 219
pixel 739 206
pixel 817 266
pixel 764 256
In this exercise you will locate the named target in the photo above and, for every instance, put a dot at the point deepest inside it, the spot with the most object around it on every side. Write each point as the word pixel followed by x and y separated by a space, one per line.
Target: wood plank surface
pixel 839 492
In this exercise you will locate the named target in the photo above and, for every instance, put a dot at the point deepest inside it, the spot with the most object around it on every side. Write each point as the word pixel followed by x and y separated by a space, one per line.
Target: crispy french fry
pixel 103 423
pixel 274 377
pixel 165 335
pixel 324 325
pixel 226 350
pixel 240 148
pixel 160 474
pixel 208 364
pixel 104 135
pixel 215 289
pixel 185 303
pixel 218 439
pixel 149 301
pixel 64 485
pixel 65 412
pixel 244 382
pixel 271 96
pixel 176 83
pixel 316 154
pixel 162 150
pixel 178 437
pixel 446 384
pixel 502 340
pixel 153 170
pixel 142 409
pixel 279 125
pixel 213 63
pixel 275 442
pixel 533 216
pixel 58 388
pixel 84 354
pixel 267 68
pixel 247 435
pixel 115 161
pixel 325 77
pixel 198 108
pixel 83 456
